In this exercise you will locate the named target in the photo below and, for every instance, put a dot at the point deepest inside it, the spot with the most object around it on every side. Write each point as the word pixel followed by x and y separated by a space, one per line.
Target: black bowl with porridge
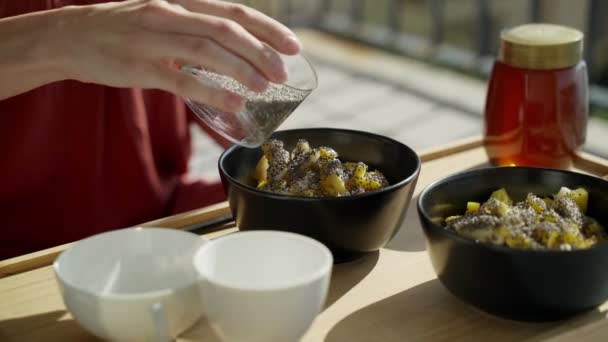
pixel 527 278
pixel 350 225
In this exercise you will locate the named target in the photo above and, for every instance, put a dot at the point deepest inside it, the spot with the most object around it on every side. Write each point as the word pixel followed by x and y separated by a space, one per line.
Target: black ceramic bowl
pixel 515 284
pixel 349 226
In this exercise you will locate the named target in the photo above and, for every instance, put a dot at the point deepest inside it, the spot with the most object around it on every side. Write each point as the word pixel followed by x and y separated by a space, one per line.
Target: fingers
pixel 263 27
pixel 207 33
pixel 227 33
pixel 236 39
pixel 201 51
pixel 182 84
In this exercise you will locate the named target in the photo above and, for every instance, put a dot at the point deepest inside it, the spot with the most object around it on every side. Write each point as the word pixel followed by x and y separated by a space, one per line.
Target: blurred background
pixel 416 70
pixel 463 34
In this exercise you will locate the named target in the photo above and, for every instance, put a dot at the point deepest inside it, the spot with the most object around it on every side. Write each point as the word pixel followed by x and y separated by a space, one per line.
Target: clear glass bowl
pixel 264 112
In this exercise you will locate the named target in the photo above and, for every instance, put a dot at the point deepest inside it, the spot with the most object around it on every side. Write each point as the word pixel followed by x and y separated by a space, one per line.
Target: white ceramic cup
pixel 134 284
pixel 263 285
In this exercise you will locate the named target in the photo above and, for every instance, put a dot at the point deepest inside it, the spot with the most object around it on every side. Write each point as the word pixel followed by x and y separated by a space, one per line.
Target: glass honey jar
pixel 537 100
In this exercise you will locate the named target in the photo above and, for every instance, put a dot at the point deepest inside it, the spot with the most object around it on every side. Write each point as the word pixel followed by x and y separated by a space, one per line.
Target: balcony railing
pixel 460 34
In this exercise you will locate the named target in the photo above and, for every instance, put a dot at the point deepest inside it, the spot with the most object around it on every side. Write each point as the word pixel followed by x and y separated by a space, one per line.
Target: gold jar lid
pixel 541 46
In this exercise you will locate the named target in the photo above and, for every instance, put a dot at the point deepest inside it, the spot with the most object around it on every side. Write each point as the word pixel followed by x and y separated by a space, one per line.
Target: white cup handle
pixel 159 317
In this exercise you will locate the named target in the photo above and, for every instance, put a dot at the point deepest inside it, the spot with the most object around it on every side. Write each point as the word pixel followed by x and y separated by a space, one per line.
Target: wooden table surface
pixel 390 295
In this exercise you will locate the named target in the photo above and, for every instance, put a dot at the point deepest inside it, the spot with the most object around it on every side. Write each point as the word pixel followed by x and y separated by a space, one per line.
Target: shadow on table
pixel 428 312
pixel 410 237
pixel 39 327
pixel 346 275
pixel 200 331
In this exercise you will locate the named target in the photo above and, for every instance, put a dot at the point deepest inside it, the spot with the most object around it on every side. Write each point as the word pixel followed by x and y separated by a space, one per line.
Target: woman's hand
pixel 138 43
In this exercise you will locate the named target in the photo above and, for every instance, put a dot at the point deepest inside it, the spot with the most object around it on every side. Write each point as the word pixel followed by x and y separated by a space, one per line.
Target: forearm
pixel 30 52
pixel 133 44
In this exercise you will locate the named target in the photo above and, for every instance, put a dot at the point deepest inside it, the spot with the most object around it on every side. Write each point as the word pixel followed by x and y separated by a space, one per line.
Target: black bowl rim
pixel 501 249
pixel 389 188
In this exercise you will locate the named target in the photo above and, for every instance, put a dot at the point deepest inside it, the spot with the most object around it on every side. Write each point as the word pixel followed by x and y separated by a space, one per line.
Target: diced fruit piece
pixel 371 184
pixel 580 196
pixel 327 153
pixel 586 243
pixel 502 234
pixel 519 241
pixel 262 184
pixel 551 241
pixel 261 169
pixel 360 179
pixel 451 218
pixel 536 206
pixel 549 218
pixel 333 185
pixel 482 234
pixel 365 183
pixel 570 238
pixel 563 191
pixel 594 229
pixel 502 195
pixel 360 170
pixel 502 209
pixel 548 238
pixel 472 207
pixel 349 166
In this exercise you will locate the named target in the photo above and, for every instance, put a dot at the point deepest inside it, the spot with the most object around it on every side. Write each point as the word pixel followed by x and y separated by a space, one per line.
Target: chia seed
pixel 264 112
pixel 568 208
pixel 532 223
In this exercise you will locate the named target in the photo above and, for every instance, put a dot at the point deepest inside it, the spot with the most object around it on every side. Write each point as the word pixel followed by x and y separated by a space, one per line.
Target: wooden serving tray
pixel 390 295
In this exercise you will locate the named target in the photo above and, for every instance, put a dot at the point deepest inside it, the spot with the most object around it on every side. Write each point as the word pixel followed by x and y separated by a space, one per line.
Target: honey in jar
pixel 537 101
